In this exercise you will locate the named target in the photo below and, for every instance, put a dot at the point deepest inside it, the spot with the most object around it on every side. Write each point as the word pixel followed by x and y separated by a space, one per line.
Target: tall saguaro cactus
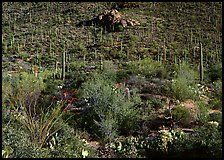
pixel 201 64
pixel 63 65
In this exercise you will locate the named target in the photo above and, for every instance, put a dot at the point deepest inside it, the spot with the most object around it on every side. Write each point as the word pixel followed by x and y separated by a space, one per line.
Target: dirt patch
pixel 190 104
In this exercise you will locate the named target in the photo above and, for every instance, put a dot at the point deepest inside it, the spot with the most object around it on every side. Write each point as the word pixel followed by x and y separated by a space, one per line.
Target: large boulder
pixel 113 18
pixel 110 20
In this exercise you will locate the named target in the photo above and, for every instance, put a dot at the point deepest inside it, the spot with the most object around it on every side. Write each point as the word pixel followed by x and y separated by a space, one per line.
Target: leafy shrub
pixel 216 116
pixel 217 86
pixel 156 103
pixel 127 147
pixel 64 144
pixel 216 97
pixel 215 72
pixel 202 115
pixel 165 139
pixel 183 85
pixel 19 87
pixel 181 115
pixel 180 89
pixel 109 104
pixel 209 138
pixel 109 71
pixel 215 103
pixel 148 68
pixel 179 142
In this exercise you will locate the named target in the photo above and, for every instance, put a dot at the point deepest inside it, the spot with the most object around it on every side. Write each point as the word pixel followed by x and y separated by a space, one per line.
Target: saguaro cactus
pixel 63 66
pixel 201 64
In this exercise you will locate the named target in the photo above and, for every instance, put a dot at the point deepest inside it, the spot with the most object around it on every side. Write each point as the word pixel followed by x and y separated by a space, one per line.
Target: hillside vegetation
pixel 74 88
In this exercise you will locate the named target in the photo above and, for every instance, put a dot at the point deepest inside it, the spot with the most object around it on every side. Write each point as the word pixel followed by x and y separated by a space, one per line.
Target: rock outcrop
pixel 111 20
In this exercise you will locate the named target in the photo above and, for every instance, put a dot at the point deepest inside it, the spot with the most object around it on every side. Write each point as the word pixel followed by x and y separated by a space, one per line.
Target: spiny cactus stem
pixel 201 64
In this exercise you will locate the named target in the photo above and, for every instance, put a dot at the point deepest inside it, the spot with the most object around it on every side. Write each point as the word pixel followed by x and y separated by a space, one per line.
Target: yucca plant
pixel 45 126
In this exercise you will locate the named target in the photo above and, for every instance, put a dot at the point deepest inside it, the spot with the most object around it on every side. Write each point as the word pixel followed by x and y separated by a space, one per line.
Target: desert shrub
pixel 51 86
pixel 148 68
pixel 215 72
pixel 127 147
pixel 109 70
pixel 183 85
pixel 179 141
pixel 21 89
pixel 15 137
pixel 216 96
pixel 156 103
pixel 180 89
pixel 106 104
pixel 64 144
pixel 215 103
pixel 181 115
pixel 217 86
pixel 202 114
pixel 208 138
pixel 187 72
pixel 76 65
pixel 216 116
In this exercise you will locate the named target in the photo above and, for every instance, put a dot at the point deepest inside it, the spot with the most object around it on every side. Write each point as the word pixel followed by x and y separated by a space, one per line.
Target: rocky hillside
pixel 38 33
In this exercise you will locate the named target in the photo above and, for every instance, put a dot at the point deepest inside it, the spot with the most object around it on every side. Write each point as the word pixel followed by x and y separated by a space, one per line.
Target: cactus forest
pixel 111 79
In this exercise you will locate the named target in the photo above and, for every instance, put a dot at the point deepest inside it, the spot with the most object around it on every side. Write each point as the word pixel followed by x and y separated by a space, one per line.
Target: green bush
pixel 156 103
pixel 148 68
pixel 128 147
pixel 109 70
pixel 215 72
pixel 202 115
pixel 181 115
pixel 19 88
pixel 180 89
pixel 183 85
pixel 215 103
pixel 216 116
pixel 216 97
pixel 209 138
pixel 64 144
pixel 111 110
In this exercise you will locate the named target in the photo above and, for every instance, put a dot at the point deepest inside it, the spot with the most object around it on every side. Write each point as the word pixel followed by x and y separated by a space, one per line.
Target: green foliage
pixel 208 137
pixel 186 71
pixel 217 86
pixel 216 116
pixel 215 72
pixel 147 67
pixel 182 86
pixel 76 65
pixel 51 86
pixel 127 147
pixel 216 103
pixel 112 111
pixel 45 126
pixel 203 115
pixel 18 87
pixel 64 144
pixel 156 103
pixel 179 141
pixel 109 70
pixel 181 115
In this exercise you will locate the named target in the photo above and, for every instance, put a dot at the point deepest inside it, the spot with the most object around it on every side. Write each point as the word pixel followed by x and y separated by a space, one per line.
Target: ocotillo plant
pixel 201 64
